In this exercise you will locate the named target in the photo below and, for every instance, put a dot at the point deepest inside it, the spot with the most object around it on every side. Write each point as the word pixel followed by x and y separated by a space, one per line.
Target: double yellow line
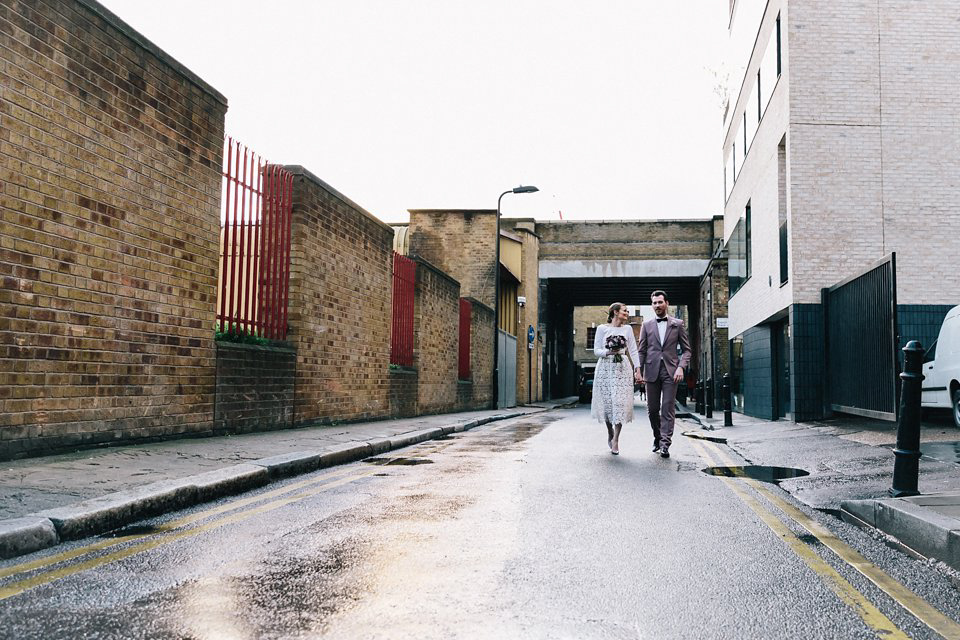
pixel 49 568
pixel 847 593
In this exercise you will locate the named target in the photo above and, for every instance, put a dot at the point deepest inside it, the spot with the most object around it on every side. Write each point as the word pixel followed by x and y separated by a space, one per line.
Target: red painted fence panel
pixel 401 339
pixel 257 202
pixel 464 359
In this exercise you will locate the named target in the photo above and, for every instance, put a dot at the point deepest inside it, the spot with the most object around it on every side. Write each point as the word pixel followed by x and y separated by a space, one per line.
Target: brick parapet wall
pixel 340 305
pixel 110 156
pixel 481 359
pixel 254 387
pixel 460 243
pixel 436 336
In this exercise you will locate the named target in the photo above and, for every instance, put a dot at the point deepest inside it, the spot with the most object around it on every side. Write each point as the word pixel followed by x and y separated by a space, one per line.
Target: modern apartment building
pixel 841 159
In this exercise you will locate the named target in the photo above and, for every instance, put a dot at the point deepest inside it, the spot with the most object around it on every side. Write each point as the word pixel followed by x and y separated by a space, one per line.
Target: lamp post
pixel 496 295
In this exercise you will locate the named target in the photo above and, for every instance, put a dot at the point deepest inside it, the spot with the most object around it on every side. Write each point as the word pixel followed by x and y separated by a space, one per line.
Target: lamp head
pixel 525 189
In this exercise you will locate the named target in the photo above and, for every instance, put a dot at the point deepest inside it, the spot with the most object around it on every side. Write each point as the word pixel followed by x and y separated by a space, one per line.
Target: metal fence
pixel 463 361
pixel 254 244
pixel 401 335
pixel 861 354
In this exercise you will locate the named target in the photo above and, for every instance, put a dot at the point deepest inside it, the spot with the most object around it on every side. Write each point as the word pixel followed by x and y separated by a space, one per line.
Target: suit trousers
pixel 662 405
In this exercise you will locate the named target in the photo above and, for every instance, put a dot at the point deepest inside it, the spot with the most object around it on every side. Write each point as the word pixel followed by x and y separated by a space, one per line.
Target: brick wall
pixel 435 339
pixel 459 243
pixel 481 358
pixel 528 360
pixel 110 157
pixel 873 93
pixel 633 240
pixel 254 387
pixel 340 305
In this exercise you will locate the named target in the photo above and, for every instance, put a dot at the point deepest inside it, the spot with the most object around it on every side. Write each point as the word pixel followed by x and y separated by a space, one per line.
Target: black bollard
pixel 727 409
pixel 709 398
pixel 906 464
pixel 699 392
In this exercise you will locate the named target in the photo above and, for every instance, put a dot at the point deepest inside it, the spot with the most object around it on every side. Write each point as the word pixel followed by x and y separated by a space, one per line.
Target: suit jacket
pixel 652 352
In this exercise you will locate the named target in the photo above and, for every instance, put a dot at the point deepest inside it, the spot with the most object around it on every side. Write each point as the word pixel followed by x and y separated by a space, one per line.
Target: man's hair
pixel 659 292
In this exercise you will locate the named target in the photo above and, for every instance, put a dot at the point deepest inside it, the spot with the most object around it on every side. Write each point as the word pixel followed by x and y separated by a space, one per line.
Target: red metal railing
pixel 464 359
pixel 401 338
pixel 257 202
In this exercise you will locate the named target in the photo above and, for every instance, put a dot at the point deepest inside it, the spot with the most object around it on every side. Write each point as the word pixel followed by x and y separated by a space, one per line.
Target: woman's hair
pixel 616 306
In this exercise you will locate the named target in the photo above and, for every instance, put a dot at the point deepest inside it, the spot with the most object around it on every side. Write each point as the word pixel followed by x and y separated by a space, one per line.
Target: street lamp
pixel 496 295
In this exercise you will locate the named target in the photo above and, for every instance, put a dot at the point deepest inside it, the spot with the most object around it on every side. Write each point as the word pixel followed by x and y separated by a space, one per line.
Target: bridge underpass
pixel 559 296
pixel 597 264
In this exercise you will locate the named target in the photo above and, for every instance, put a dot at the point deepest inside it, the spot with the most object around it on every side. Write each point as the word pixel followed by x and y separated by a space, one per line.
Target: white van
pixel 941 368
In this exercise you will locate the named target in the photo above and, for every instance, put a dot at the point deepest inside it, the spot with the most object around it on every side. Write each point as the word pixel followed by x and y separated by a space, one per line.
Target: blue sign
pixel 530 337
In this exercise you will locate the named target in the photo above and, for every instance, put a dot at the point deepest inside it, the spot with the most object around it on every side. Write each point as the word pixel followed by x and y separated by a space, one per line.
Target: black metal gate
pixel 861 336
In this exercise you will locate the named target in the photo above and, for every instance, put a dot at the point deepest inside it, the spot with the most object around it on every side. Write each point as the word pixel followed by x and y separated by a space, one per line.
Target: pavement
pixel 52 499
pixel 850 463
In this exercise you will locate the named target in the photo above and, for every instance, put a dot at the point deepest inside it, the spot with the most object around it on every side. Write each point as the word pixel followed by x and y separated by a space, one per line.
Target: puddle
pixel 943 451
pixel 133 530
pixel 757 472
pixel 398 461
pixel 700 435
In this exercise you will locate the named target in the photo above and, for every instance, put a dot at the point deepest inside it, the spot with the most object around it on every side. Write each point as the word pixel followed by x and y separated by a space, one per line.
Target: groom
pixel 661 369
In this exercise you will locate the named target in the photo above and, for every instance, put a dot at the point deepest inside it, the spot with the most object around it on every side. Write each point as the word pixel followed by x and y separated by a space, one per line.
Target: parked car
pixel 941 368
pixel 585 383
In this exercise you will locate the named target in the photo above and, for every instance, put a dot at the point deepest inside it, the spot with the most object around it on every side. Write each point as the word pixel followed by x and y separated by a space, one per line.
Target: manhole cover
pixel 757 472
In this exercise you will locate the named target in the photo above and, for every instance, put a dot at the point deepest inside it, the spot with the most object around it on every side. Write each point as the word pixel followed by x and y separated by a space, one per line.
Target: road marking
pixel 847 593
pixel 167 527
pixel 19 587
pixel 916 605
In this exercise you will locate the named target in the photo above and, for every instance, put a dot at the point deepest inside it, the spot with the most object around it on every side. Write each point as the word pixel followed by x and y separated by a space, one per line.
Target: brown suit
pixel 658 364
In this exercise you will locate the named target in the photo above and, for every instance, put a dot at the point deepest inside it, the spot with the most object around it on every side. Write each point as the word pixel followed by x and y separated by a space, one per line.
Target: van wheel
pixel 956 408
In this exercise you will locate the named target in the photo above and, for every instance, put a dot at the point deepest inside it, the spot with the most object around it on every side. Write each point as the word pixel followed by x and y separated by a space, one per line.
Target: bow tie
pixel 661 319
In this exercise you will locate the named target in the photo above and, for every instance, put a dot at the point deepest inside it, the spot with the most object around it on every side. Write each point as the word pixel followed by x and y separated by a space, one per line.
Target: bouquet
pixel 614 343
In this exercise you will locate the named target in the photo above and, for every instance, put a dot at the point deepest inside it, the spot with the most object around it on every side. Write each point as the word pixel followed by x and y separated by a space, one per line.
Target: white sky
pixel 607 106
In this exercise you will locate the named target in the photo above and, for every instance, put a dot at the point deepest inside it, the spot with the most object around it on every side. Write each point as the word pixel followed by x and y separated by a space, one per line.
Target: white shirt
pixel 662 330
pixel 626 331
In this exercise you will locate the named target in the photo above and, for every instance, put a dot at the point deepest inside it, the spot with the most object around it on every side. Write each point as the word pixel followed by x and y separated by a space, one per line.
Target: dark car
pixel 585 383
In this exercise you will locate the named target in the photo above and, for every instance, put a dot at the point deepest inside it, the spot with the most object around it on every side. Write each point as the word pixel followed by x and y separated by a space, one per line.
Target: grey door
pixel 507 362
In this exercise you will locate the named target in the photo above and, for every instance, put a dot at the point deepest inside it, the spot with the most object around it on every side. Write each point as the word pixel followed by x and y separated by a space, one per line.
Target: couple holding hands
pixel 654 361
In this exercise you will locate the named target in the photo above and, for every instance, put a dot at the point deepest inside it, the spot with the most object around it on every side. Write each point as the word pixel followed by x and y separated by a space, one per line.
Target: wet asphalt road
pixel 527 528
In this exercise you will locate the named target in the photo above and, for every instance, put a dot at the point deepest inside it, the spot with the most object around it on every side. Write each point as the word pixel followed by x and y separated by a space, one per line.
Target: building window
pixel 748 242
pixel 779 49
pixel 745 134
pixel 591 336
pixel 736 373
pixel 759 93
pixel 782 207
pixel 739 259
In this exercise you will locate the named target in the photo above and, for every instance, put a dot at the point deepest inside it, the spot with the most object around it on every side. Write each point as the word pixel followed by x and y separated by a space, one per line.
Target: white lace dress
pixel 613 381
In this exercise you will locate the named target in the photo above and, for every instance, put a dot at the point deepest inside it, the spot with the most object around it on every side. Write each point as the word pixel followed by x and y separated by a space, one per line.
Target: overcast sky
pixel 608 106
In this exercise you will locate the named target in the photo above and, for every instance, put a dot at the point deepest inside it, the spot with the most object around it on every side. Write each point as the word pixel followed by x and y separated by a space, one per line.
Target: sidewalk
pixel 850 461
pixel 51 499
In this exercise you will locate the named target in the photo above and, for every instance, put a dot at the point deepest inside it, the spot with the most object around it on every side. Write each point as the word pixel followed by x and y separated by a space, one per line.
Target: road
pixel 525 528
